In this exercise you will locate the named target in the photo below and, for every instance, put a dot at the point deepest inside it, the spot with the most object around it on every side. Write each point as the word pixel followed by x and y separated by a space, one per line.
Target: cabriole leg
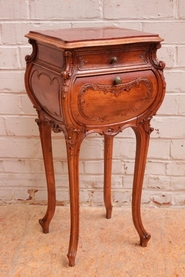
pixel 73 143
pixel 45 136
pixel 142 132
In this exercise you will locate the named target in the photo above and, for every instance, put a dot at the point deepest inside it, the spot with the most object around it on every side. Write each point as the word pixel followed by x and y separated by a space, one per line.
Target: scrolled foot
pixel 71 257
pixel 45 227
pixel 144 240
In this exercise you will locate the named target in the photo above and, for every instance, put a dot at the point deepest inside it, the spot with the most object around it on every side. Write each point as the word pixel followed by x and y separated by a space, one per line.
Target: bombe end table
pixel 94 80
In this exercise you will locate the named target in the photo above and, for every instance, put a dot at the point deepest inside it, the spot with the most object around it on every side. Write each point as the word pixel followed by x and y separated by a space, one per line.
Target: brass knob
pixel 117 80
pixel 113 60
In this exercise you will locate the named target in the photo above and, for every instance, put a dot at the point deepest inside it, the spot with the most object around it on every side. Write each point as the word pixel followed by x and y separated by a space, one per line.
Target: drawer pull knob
pixel 117 80
pixel 113 60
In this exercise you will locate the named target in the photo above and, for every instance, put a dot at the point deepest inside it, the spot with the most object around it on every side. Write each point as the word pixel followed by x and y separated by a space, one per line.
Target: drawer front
pixel 112 98
pixel 111 57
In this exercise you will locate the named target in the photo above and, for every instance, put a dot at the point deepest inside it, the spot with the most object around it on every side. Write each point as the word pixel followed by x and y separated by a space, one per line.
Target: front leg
pixel 45 137
pixel 73 142
pixel 142 131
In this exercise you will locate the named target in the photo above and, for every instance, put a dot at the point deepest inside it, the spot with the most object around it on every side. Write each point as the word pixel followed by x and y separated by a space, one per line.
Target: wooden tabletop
pixel 86 37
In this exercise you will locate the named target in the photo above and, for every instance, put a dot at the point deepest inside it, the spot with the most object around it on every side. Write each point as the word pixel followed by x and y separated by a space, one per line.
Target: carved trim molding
pixel 31 57
pixel 112 131
pixel 74 138
pixel 67 73
pixel 82 61
pixel 146 125
pixel 56 128
pixel 156 63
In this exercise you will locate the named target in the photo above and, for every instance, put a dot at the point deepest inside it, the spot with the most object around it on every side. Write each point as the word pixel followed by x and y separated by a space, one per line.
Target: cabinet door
pixel 113 98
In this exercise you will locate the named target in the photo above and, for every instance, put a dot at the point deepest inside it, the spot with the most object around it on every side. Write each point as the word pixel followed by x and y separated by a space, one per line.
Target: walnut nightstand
pixel 94 80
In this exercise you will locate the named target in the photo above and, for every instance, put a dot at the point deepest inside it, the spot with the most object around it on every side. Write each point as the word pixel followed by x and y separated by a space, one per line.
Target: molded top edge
pixel 82 37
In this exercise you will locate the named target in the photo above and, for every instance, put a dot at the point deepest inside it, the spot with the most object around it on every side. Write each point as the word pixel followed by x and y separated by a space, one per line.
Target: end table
pixel 89 80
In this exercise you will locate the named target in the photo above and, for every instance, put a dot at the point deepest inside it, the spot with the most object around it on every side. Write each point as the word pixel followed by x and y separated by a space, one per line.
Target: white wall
pixel 21 167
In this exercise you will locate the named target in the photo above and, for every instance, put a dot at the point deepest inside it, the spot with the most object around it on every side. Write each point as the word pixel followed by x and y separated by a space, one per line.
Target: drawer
pixel 112 98
pixel 111 57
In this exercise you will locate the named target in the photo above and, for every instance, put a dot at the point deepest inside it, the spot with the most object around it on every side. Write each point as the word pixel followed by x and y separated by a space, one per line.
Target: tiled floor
pixel 107 248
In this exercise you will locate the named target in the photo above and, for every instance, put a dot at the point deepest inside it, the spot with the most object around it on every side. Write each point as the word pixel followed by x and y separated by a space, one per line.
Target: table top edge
pixel 89 37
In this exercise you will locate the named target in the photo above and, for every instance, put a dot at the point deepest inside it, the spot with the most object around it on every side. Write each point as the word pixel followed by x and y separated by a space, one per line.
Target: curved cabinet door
pixel 112 98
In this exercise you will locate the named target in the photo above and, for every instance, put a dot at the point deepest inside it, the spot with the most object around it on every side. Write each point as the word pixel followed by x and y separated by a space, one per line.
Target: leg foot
pixel 45 226
pixel 71 258
pixel 109 213
pixel 144 240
